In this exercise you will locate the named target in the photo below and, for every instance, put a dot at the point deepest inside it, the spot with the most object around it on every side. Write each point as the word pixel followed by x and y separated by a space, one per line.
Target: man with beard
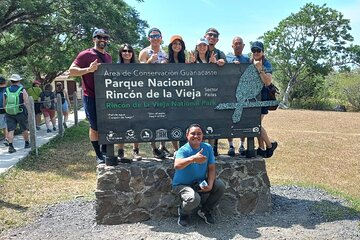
pixel 237 57
pixel 84 65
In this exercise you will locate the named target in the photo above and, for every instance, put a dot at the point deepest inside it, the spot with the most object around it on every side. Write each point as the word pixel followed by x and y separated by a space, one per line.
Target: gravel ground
pixel 298 213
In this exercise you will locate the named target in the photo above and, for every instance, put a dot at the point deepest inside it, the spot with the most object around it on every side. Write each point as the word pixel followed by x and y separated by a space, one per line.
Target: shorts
pixel 13 120
pixel 48 112
pixel 65 107
pixel 264 97
pixel 2 120
pixel 37 107
pixel 90 111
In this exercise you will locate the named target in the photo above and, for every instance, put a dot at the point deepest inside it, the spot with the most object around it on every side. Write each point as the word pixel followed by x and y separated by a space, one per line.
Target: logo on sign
pixel 176 133
pixel 111 136
pixel 256 129
pixel 209 130
pixel 130 134
pixel 146 135
pixel 161 134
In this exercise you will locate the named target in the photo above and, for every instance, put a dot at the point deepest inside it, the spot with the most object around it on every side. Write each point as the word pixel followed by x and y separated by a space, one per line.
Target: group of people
pixel 195 174
pixel 14 107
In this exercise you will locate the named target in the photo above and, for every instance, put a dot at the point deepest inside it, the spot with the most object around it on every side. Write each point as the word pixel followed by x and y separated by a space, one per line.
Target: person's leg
pixel 214 196
pixel 136 155
pixel 23 124
pixel 53 119
pixel 189 199
pixel 157 152
pixel 231 151
pixel 11 126
pixel 241 147
pixel 121 153
pixel 65 110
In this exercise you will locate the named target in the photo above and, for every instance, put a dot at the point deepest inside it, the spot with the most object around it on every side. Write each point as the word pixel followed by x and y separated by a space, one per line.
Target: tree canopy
pixel 309 43
pixel 44 36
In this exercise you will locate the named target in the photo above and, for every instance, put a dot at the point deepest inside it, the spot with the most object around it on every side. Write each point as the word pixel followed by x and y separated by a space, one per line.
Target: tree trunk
pixel 289 87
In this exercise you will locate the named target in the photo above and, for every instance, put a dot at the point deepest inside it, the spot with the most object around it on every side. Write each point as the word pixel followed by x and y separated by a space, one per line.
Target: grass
pixel 315 149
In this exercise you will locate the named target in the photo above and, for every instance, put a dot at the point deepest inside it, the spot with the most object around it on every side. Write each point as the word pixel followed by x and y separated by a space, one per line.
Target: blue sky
pixel 248 19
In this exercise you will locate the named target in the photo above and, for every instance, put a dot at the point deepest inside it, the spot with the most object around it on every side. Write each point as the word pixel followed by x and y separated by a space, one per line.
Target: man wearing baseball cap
pixel 84 65
pixel 21 118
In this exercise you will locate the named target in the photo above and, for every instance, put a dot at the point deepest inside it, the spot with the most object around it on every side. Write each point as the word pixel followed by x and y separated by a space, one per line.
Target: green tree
pixel 45 35
pixel 309 43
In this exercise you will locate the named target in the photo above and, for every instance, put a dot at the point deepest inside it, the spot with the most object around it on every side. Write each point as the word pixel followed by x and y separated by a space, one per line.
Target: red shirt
pixel 83 60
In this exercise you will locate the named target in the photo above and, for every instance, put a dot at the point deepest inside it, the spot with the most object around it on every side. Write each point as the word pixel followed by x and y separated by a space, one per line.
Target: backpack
pixel 13 102
pixel 47 102
pixel 273 90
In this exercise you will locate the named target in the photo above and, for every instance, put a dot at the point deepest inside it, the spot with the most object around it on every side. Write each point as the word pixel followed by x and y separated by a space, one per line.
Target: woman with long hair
pixel 127 55
pixel 265 72
pixel 65 101
pixel 202 53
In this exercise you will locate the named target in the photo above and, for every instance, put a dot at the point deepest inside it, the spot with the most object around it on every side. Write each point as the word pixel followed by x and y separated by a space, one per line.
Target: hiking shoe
pixel 242 150
pixel 136 156
pixel 64 124
pixel 38 128
pixel 100 160
pixel 121 153
pixel 48 131
pixel 270 151
pixel 54 128
pixel 216 153
pixel 158 153
pixel 6 142
pixel 183 219
pixel 261 152
pixel 27 145
pixel 231 151
pixel 11 149
pixel 167 152
pixel 208 218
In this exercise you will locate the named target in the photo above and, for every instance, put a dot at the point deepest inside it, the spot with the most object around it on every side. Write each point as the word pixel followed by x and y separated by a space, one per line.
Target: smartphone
pixel 203 184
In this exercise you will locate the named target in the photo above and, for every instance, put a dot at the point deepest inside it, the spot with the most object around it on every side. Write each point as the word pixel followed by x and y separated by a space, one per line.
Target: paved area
pixel 7 160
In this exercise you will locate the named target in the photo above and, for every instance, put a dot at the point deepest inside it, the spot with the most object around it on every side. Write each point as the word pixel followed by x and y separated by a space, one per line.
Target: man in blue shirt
pixel 237 58
pixel 194 163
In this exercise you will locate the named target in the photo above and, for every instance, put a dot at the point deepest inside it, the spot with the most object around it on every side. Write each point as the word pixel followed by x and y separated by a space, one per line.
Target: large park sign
pixel 156 102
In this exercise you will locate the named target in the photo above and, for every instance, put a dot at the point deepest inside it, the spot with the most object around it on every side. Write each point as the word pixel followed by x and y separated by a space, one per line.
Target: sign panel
pixel 156 102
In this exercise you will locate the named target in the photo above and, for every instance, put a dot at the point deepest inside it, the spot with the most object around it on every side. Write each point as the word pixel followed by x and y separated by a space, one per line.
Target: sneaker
pixel 216 153
pixel 167 152
pixel 100 160
pixel 38 128
pixel 208 218
pixel 48 131
pixel 158 153
pixel 231 151
pixel 54 128
pixel 270 151
pixel 242 150
pixel 64 124
pixel 11 149
pixel 27 145
pixel 121 154
pixel 183 219
pixel 261 152
pixel 136 156
pixel 6 142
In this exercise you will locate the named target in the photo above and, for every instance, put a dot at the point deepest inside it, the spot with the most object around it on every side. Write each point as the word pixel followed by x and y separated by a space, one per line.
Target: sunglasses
pixel 126 51
pixel 155 36
pixel 214 35
pixel 256 50
pixel 102 37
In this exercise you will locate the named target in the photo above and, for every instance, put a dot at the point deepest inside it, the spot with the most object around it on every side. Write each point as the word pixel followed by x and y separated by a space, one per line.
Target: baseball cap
pixel 202 40
pixel 175 37
pixel 154 30
pixel 258 45
pixel 15 77
pixel 100 32
pixel 2 80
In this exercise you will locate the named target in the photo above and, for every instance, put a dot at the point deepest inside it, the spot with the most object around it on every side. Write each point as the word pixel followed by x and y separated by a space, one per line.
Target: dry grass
pixel 315 149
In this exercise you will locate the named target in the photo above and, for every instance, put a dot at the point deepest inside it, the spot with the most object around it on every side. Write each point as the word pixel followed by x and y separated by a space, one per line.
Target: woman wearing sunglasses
pixel 127 55
pixel 265 71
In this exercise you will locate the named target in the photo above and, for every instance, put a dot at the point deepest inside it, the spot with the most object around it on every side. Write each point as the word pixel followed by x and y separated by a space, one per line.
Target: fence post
pixel 32 125
pixel 75 102
pixel 59 114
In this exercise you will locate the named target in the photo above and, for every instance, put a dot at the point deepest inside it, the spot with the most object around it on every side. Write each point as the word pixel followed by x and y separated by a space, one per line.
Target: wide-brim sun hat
pixel 15 77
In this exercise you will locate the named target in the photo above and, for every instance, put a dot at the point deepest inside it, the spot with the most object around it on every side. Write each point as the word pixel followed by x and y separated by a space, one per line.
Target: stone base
pixel 141 190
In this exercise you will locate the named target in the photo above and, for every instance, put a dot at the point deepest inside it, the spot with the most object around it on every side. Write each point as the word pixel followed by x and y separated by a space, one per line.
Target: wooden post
pixel 75 104
pixel 32 124
pixel 59 114
pixel 110 159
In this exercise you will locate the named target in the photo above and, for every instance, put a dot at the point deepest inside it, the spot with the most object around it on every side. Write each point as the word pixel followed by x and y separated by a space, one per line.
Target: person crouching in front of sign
pixel 265 72
pixel 155 54
pixel 195 178
pixel 85 64
pixel 127 55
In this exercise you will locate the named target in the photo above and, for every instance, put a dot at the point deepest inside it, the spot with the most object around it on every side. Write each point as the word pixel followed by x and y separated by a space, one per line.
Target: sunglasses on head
pixel 214 35
pixel 102 37
pixel 256 50
pixel 155 36
pixel 126 51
